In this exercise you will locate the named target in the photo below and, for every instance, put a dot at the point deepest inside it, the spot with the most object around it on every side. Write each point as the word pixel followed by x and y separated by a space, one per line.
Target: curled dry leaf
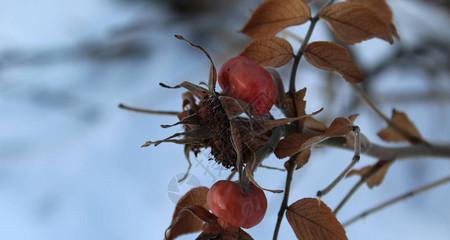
pixel 314 124
pixel 332 57
pixel 290 145
pixel 302 158
pixel 293 105
pixel 401 129
pixel 184 222
pixel 381 168
pixel 269 52
pixel 354 22
pixel 339 127
pixel 312 219
pixel 272 16
pixel 296 142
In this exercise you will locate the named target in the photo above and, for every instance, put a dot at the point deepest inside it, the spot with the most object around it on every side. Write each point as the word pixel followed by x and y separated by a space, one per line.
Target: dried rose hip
pixel 229 203
pixel 244 79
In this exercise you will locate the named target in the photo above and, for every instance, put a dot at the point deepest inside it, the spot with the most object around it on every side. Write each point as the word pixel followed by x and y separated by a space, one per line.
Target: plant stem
pixel 401 153
pixel 148 111
pixel 361 181
pixel 355 159
pixel 299 54
pixel 290 167
pixel 349 194
pixel 397 199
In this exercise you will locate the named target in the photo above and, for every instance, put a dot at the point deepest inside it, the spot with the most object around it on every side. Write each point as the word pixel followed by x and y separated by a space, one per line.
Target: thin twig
pixel 388 121
pixel 397 199
pixel 290 167
pixel 361 181
pixel 371 104
pixel 148 111
pixel 272 168
pixel 355 160
pixel 349 194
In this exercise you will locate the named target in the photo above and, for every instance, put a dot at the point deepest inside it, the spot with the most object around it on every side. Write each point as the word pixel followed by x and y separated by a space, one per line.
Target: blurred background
pixel 70 162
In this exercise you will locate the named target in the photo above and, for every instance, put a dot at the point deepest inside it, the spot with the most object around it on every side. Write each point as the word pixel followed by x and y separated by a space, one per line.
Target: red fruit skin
pixel 244 79
pixel 228 202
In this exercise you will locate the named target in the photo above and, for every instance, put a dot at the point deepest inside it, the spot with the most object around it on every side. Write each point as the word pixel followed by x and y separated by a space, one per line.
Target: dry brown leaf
pixel 314 124
pixel 332 57
pixel 302 158
pixel 401 129
pixel 290 145
pixel 183 223
pixel 354 22
pixel 272 16
pixel 339 127
pixel 312 219
pixel 269 52
pixel 382 9
pixel 293 106
pixel 300 105
pixel 375 179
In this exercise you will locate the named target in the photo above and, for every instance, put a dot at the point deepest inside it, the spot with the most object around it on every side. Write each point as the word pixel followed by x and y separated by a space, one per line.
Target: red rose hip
pixel 244 79
pixel 229 203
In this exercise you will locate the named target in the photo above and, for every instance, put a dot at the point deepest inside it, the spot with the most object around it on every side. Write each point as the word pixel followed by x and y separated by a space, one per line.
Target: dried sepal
pixel 269 52
pixel 354 22
pixel 213 72
pixel 198 91
pixel 333 57
pixel 272 16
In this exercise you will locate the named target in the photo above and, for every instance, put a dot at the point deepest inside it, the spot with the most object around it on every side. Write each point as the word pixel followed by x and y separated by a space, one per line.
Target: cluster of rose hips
pixel 243 79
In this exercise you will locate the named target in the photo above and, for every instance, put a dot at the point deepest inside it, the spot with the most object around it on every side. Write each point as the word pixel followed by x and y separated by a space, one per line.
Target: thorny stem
pixel 397 199
pixel 355 160
pixel 148 111
pixel 290 167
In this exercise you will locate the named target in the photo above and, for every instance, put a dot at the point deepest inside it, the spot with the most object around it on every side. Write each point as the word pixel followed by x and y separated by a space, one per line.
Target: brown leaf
pixel 302 158
pixel 311 219
pixel 300 105
pixel 269 52
pixel 272 16
pixel 290 145
pixel 384 12
pixel 294 105
pixel 184 222
pixel 339 127
pixel 376 179
pixel 314 124
pixel 332 57
pixel 354 22
pixel 401 129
